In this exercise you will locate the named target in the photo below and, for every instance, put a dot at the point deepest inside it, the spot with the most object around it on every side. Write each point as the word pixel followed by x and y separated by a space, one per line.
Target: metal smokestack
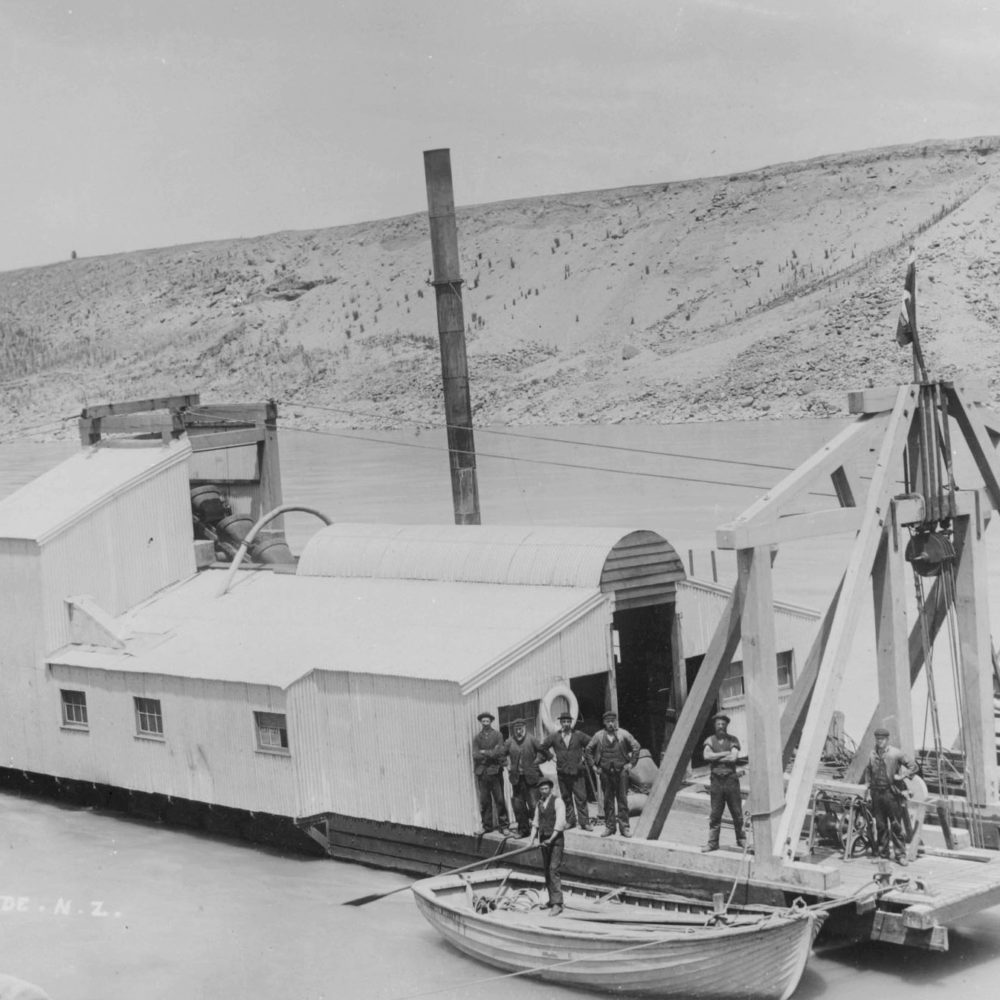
pixel 451 331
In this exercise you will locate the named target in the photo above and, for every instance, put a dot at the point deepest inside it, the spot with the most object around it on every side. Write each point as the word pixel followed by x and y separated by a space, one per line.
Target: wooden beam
pixel 797 705
pixel 692 719
pixel 976 437
pixel 976 663
pixel 831 670
pixel 239 438
pixel 882 400
pixel 810 473
pixel 789 528
pixel 140 406
pixel 845 486
pixel 891 646
pixel 760 679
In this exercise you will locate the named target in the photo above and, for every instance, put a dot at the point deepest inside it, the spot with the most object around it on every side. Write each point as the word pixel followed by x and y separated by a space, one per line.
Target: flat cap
pixel 722 715
pixel 546 781
pixel 566 715
pixel 609 715
pixel 519 722
pixel 881 731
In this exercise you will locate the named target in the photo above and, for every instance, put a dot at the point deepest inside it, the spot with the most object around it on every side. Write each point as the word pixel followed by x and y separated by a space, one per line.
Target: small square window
pixel 272 731
pixel 148 717
pixel 74 709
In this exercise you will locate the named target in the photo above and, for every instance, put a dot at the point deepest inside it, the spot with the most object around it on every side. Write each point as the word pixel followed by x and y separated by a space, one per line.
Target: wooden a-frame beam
pixel 823 463
pixel 831 668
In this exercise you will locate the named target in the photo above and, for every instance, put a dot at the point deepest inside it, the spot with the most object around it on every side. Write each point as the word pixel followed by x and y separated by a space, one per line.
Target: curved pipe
pixel 252 534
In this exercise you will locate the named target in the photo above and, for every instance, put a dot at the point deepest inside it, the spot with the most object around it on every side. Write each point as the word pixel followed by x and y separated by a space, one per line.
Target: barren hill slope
pixel 768 293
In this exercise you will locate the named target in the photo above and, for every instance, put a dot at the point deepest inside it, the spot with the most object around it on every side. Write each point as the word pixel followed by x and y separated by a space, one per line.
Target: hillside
pixel 763 294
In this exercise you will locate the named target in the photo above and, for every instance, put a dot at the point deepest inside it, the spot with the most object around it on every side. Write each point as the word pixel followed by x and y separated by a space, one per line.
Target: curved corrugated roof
pixel 615 559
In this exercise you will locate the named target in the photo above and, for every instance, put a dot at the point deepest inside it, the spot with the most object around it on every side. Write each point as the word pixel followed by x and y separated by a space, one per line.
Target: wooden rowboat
pixel 623 941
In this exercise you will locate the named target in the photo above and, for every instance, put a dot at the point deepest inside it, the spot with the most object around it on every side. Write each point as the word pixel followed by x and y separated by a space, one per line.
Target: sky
pixel 131 124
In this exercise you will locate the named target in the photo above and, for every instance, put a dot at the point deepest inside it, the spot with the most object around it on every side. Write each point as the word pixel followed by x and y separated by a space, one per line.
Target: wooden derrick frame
pixel 208 426
pixel 887 418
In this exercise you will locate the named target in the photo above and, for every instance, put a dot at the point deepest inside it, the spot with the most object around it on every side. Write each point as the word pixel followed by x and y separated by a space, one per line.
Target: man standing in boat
pixel 886 774
pixel 525 755
pixel 722 751
pixel 568 747
pixel 547 826
pixel 488 755
pixel 613 751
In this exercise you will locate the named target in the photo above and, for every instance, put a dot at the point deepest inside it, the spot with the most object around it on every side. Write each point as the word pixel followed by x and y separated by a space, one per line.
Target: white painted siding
pixel 208 753
pixel 137 542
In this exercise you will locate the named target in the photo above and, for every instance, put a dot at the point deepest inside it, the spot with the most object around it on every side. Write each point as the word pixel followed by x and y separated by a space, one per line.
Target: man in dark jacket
pixel 488 756
pixel 886 774
pixel 613 752
pixel 547 827
pixel 524 754
pixel 568 748
pixel 722 752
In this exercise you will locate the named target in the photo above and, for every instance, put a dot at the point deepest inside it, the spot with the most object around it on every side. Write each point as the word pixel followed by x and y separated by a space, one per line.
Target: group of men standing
pixel 612 752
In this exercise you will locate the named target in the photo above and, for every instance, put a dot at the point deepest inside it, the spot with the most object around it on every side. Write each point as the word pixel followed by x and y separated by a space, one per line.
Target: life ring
pixel 545 706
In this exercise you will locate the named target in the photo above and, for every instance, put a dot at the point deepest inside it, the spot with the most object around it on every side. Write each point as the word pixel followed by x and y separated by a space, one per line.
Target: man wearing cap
pixel 568 747
pixel 722 750
pixel 524 754
pixel 885 775
pixel 547 827
pixel 613 751
pixel 488 756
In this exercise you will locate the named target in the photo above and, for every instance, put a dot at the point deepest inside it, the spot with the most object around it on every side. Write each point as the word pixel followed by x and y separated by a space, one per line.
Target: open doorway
pixel 644 670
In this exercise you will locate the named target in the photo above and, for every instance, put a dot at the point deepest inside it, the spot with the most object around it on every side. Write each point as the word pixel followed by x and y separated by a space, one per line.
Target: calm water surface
pixel 97 906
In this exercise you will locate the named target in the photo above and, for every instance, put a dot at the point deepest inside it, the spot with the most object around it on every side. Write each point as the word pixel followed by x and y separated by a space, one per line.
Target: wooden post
pixel 971 587
pixel 760 680
pixel 269 466
pixel 451 332
pixel 891 640
pixel 679 681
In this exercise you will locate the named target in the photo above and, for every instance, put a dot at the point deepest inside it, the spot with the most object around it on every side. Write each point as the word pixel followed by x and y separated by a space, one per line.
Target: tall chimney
pixel 451 331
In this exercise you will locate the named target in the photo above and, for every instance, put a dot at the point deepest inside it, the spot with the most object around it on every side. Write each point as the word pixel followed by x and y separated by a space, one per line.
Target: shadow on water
pixel 971 960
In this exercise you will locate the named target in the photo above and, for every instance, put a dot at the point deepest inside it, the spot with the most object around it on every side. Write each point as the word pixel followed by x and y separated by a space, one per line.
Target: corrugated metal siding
pixel 208 753
pixel 639 566
pixel 392 749
pixel 701 605
pixel 139 541
pixel 21 638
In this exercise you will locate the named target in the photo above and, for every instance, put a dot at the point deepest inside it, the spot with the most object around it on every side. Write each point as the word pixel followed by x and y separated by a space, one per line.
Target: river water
pixel 94 905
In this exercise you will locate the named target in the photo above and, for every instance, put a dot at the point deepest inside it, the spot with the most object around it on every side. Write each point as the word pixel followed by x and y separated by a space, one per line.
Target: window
pixel 272 732
pixel 527 710
pixel 148 717
pixel 74 709
pixel 731 691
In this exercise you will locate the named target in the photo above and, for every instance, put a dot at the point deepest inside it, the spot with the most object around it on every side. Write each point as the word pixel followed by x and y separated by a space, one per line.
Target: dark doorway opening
pixel 591 693
pixel 644 672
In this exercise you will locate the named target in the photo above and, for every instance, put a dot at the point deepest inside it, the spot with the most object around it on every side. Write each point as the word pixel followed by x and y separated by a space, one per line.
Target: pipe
pixel 451 333
pixel 252 534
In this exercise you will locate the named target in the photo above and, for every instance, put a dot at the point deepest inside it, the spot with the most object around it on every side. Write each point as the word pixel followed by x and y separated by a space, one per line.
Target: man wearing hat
pixel 547 827
pixel 885 775
pixel 524 754
pixel 567 747
pixel 613 751
pixel 488 756
pixel 722 751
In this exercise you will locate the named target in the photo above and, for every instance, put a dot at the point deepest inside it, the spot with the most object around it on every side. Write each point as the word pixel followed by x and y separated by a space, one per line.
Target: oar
pixel 362 900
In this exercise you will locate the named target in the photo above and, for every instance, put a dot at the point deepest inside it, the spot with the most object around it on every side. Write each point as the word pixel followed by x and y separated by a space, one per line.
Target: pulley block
pixel 929 551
